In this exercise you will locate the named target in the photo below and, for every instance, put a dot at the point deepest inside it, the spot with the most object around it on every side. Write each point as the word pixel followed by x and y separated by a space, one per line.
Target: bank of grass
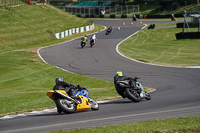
pixel 24 77
pixel 159 46
pixel 189 124
pixel 32 25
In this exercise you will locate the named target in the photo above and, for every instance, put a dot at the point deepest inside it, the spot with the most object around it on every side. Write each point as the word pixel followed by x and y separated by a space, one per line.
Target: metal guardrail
pixel 101 10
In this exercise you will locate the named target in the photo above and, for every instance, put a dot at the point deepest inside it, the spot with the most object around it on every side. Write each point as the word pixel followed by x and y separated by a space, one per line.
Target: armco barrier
pixel 73 31
pixel 130 16
pixel 163 16
pixel 108 16
pixel 188 35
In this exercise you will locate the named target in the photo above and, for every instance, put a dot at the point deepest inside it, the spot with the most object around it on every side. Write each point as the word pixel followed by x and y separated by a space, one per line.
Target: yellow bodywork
pixel 83 106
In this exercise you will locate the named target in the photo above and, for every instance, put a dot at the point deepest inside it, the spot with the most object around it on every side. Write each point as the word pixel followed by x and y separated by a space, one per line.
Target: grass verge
pixel 189 124
pixel 159 46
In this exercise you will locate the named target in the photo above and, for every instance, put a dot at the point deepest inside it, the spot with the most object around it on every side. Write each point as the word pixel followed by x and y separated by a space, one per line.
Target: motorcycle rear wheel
pixel 94 105
pixel 91 44
pixel 132 95
pixel 82 45
pixel 65 105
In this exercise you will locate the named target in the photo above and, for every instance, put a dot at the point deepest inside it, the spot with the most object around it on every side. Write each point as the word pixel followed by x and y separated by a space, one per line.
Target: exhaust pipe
pixel 65 96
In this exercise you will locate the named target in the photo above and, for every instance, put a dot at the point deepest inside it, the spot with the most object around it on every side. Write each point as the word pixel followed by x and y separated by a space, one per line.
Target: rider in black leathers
pixel 120 77
pixel 61 85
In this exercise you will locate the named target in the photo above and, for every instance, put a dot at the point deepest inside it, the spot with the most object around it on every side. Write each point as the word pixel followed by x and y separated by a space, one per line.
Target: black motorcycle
pixel 83 44
pixel 173 19
pixel 109 30
pixel 152 26
pixel 134 90
pixel 92 42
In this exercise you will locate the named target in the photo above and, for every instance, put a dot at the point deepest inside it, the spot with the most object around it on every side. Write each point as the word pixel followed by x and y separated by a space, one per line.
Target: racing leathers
pixel 70 90
pixel 93 38
pixel 119 89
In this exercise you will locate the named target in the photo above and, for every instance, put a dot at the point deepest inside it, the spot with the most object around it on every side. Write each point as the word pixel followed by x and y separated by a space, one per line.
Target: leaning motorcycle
pixel 134 90
pixel 66 104
pixel 108 31
pixel 83 43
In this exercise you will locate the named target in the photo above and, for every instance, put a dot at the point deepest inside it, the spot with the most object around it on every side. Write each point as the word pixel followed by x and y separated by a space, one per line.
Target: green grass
pixel 189 124
pixel 159 46
pixel 153 11
pixel 26 26
pixel 24 77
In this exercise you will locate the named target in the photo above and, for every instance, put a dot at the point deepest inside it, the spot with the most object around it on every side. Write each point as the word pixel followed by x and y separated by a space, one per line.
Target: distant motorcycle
pixel 152 26
pixel 92 42
pixel 83 43
pixel 134 90
pixel 173 19
pixel 109 30
pixel 67 104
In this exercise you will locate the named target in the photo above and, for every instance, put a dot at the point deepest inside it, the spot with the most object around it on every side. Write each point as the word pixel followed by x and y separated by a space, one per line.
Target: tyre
pixel 91 44
pixel 148 97
pixel 94 105
pixel 65 105
pixel 59 110
pixel 82 45
pixel 132 95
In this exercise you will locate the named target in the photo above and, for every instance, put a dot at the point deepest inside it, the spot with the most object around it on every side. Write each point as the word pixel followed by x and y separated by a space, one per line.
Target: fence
pixel 191 20
pixel 6 3
pixel 101 10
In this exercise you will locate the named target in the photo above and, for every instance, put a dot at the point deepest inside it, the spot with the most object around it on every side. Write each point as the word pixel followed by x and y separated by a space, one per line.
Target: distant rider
pixel 93 38
pixel 120 77
pixel 61 85
pixel 84 38
pixel 134 18
pixel 172 17
pixel 110 29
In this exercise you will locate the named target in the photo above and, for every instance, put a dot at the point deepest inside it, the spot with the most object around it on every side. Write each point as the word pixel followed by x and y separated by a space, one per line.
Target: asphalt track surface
pixel 177 89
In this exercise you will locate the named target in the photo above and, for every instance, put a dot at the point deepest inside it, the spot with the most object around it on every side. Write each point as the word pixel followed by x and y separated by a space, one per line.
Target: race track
pixel 177 89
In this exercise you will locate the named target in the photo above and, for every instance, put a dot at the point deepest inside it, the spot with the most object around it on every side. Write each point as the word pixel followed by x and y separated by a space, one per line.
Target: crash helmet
pixel 119 73
pixel 59 80
pixel 85 35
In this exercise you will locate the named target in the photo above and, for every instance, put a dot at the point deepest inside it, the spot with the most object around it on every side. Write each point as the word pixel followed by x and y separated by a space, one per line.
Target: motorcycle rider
pixel 120 77
pixel 61 85
pixel 93 38
pixel 172 17
pixel 134 18
pixel 84 38
pixel 110 29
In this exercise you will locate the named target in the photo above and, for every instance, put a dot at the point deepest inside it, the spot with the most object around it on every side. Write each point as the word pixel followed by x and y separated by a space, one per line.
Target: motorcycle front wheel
pixel 65 105
pixel 148 97
pixel 94 105
pixel 132 95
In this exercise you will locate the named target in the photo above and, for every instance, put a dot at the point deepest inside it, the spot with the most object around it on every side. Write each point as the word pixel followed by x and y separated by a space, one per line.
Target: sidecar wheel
pixel 94 105
pixel 132 95
pixel 65 105
pixel 148 97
